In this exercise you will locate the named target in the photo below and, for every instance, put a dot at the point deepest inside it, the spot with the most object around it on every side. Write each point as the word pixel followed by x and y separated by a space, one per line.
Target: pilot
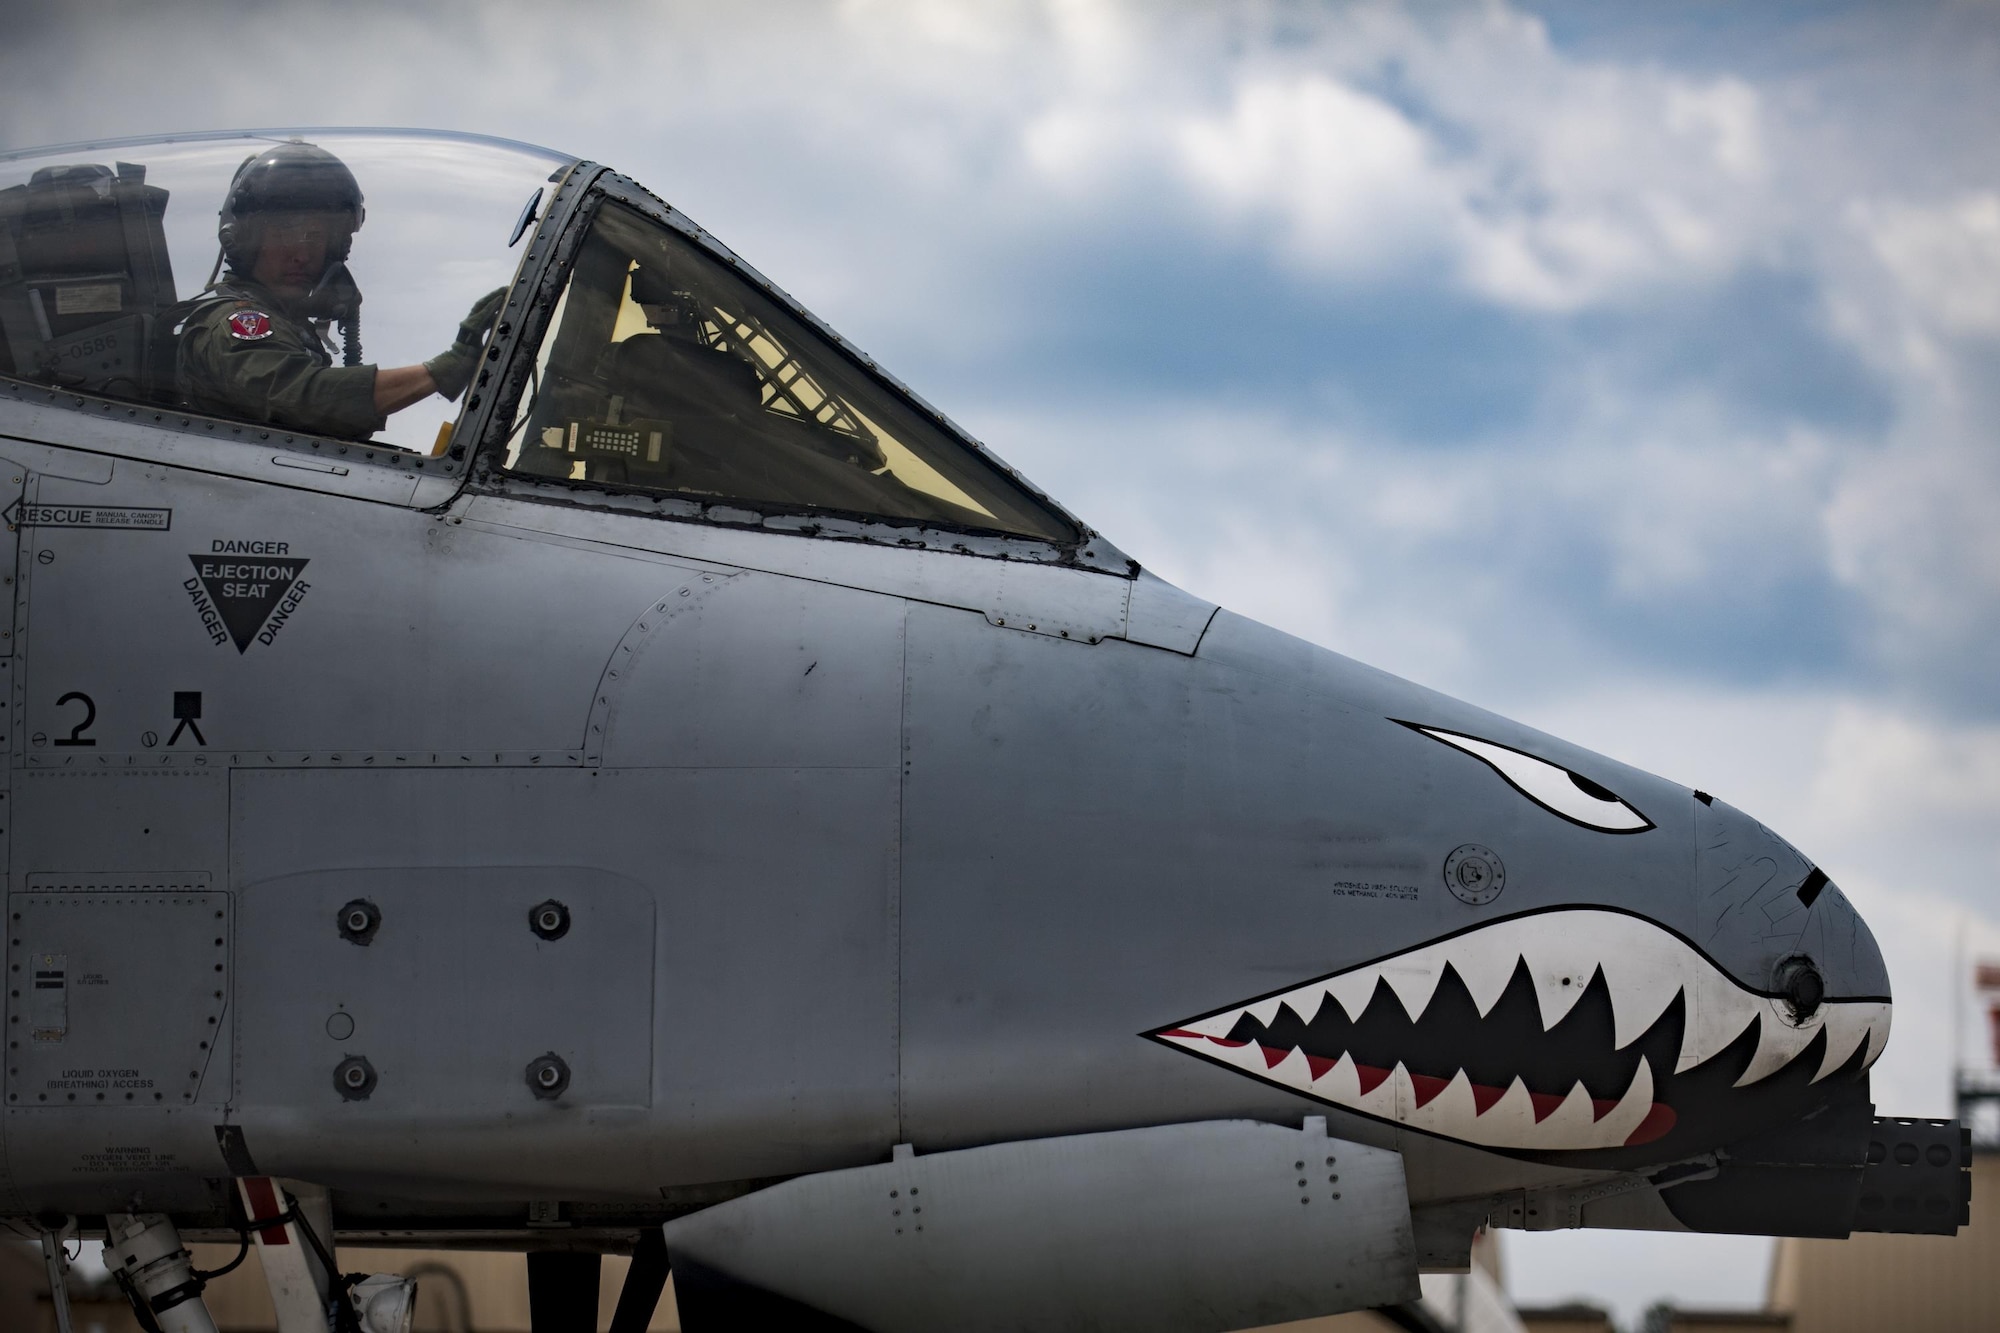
pixel 256 345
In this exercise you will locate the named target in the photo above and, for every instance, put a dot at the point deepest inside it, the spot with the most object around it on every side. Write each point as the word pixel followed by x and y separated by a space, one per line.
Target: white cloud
pixel 1551 184
pixel 1944 257
pixel 1350 178
pixel 1911 529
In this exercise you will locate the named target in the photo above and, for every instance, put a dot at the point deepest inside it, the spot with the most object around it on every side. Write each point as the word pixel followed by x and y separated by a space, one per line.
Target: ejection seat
pixel 85 282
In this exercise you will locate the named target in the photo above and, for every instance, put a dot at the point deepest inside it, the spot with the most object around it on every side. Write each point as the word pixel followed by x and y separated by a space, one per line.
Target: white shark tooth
pixel 1845 1029
pixel 1293 1071
pixel 1380 1100
pixel 1484 968
pixel 1569 1124
pixel 1558 986
pixel 1307 1001
pixel 1618 1124
pixel 1353 990
pixel 1265 1011
pixel 1878 1032
pixel 1778 1044
pixel 1449 1112
pixel 1643 986
pixel 1414 979
pixel 1723 1011
pixel 1849 1026
pixel 1878 1036
pixel 1509 1122
pixel 1340 1084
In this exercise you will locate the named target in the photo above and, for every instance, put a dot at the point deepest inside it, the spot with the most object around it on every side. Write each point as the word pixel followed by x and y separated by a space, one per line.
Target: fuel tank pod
pixel 1190 1228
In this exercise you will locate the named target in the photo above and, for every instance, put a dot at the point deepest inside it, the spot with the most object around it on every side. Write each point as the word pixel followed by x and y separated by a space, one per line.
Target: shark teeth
pixel 1644 970
pixel 1562 950
pixel 1510 1117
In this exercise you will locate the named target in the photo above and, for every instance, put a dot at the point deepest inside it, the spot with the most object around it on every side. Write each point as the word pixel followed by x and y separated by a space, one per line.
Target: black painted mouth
pixel 1507 1043
pixel 1659 1112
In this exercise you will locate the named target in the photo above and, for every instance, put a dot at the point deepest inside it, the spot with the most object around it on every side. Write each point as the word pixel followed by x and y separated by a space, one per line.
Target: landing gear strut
pixel 562 1292
pixel 562 1289
pixel 147 1253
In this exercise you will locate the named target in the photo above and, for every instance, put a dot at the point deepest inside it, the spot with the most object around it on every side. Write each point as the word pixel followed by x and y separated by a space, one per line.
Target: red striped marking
pixel 1427 1088
pixel 264 1201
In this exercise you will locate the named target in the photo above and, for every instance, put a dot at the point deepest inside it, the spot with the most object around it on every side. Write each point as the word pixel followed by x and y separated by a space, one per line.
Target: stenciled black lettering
pixel 246 592
pixel 289 604
pixel 210 621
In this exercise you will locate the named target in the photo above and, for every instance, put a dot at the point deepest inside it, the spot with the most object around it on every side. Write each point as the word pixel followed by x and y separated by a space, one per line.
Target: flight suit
pixel 247 355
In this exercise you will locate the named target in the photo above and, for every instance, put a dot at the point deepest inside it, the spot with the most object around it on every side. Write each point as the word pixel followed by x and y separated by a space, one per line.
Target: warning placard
pixel 247 597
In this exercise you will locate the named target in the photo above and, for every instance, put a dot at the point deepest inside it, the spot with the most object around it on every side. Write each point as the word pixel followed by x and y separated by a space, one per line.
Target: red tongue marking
pixel 1272 1055
pixel 1178 1032
pixel 1427 1087
pixel 1545 1104
pixel 1658 1121
pixel 1601 1107
pixel 1224 1041
pixel 1371 1077
pixel 1483 1098
pixel 1319 1065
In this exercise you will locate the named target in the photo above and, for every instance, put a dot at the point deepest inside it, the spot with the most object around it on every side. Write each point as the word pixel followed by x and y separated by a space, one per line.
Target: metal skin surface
pixel 858 841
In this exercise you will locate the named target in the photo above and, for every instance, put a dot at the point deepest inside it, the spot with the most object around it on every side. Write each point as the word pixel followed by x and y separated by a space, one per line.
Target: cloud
pixel 1944 257
pixel 1350 177
pixel 1542 182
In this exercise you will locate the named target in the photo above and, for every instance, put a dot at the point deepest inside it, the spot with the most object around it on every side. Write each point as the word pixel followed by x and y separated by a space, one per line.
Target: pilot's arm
pixel 239 361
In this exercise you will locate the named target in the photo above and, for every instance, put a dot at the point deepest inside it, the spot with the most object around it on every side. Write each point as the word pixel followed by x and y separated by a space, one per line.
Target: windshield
pixel 664 371
pixel 286 279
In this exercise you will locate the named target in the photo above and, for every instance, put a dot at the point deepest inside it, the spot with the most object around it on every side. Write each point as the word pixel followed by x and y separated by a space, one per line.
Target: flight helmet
pixel 293 177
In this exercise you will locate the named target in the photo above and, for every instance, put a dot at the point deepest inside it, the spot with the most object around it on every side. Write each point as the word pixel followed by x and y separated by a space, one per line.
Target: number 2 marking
pixel 76 736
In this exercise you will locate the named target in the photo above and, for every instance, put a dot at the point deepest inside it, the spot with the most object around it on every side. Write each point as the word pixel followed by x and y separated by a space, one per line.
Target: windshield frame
pixel 530 310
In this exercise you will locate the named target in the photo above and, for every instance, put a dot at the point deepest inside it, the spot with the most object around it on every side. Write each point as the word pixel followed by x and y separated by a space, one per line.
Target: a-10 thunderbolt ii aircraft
pixel 685 797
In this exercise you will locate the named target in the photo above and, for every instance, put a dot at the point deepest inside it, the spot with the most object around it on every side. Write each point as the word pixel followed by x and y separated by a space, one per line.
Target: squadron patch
pixel 249 325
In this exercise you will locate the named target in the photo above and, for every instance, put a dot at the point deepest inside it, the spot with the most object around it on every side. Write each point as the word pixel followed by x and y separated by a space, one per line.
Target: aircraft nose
pixel 1773 920
pixel 1842 948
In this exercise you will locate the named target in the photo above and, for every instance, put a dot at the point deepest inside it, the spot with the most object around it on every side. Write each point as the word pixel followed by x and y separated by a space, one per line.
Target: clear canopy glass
pixel 665 371
pixel 102 245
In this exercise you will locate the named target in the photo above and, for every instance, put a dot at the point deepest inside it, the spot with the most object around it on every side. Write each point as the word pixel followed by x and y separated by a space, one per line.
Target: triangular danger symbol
pixel 245 589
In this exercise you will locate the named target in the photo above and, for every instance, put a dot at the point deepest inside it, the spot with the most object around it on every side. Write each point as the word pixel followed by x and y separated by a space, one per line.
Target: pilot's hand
pixel 451 370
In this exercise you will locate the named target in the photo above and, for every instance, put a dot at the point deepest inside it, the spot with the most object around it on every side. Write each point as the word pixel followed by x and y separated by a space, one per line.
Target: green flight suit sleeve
pixel 275 380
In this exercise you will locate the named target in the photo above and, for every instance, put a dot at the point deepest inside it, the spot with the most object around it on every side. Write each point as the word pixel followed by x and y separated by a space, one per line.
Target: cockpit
pixel 103 247
pixel 634 355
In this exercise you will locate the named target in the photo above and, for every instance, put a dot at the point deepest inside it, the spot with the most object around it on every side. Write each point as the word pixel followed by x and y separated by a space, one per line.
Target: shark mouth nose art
pixel 1574 1028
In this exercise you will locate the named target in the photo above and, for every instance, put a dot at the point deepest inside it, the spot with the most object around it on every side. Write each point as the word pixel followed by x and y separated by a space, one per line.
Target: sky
pixel 1629 370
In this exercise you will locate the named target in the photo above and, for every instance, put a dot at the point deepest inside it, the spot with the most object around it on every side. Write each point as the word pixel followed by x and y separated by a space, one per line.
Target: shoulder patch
pixel 249 325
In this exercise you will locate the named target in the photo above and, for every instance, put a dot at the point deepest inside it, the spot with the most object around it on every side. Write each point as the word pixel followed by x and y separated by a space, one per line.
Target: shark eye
pixel 1556 789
